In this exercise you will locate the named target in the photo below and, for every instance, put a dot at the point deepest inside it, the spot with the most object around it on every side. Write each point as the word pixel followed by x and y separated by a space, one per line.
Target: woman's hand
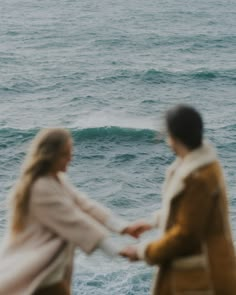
pixel 137 228
pixel 130 252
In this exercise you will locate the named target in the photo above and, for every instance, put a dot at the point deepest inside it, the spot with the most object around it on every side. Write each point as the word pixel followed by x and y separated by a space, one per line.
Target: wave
pixel 162 76
pixel 12 136
pixel 19 86
pixel 114 134
pixel 195 41
pixel 203 74
pixel 149 76
pixel 223 127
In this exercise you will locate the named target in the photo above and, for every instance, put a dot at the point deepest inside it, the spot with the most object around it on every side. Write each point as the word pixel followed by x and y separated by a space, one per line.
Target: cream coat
pixel 59 220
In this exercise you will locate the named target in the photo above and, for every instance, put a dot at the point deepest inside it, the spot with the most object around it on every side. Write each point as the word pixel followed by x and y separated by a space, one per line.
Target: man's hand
pixel 130 252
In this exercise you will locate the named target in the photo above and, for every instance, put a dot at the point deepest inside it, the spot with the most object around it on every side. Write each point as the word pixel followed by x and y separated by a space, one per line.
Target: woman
pixel 49 218
pixel 195 254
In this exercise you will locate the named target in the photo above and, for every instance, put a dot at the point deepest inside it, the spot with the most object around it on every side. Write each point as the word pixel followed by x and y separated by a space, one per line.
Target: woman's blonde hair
pixel 44 151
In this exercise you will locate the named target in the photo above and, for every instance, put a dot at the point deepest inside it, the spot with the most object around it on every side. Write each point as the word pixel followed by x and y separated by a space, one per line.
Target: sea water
pixel 108 70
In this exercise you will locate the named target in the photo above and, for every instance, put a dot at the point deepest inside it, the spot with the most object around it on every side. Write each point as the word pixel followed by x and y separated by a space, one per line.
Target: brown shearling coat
pixel 195 254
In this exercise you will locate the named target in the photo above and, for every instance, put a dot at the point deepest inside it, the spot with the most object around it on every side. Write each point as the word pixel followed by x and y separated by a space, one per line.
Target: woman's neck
pixel 55 176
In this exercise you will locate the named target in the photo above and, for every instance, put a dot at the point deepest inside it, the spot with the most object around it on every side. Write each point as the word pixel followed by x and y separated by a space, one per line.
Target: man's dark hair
pixel 185 124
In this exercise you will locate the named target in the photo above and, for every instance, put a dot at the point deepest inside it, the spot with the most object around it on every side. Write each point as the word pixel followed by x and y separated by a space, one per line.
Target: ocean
pixel 108 71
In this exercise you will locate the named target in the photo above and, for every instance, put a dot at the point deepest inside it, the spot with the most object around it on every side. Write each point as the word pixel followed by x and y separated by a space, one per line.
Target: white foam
pixel 107 119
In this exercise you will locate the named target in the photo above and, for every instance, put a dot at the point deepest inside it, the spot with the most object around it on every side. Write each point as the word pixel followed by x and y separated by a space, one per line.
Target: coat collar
pixel 180 169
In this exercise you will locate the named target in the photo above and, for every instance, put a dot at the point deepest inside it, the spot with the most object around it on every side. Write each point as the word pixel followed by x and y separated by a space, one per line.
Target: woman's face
pixel 64 158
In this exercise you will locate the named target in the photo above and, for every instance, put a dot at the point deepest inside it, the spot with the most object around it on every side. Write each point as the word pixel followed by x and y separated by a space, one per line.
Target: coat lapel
pixel 179 170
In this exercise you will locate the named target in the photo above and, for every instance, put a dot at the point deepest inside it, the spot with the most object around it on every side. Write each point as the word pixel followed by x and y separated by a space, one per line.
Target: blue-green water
pixel 108 70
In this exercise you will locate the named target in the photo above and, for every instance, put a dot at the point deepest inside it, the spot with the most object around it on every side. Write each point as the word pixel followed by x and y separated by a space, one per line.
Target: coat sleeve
pixel 97 211
pixel 56 210
pixel 189 226
pixel 155 219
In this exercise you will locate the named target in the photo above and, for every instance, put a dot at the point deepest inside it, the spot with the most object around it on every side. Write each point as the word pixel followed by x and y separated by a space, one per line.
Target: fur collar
pixel 179 170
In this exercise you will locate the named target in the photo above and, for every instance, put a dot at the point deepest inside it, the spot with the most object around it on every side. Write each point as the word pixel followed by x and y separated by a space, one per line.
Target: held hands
pixel 134 230
pixel 137 228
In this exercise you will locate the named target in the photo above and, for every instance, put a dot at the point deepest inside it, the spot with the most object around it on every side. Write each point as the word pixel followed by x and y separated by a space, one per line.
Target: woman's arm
pixel 107 218
pixel 97 211
pixel 57 211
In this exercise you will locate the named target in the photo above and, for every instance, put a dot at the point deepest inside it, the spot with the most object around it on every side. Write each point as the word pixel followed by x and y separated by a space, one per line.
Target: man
pixel 195 253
